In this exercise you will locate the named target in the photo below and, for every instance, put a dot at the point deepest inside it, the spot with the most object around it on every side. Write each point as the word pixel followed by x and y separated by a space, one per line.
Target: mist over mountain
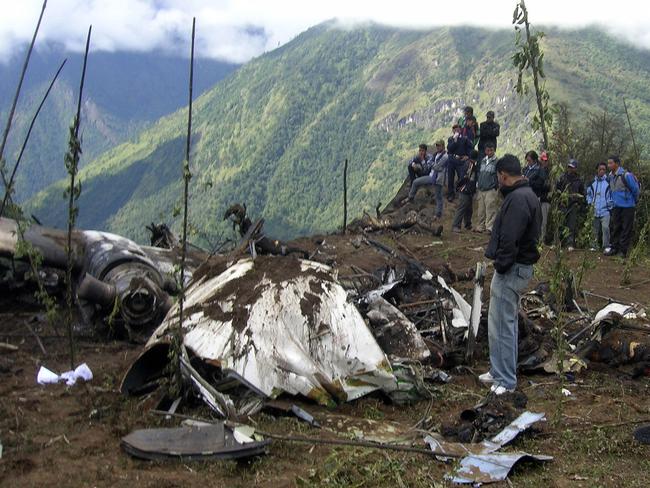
pixel 124 93
pixel 275 134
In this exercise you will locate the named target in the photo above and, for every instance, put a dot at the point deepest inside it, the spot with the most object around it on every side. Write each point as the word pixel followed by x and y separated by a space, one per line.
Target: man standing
pixel 571 184
pixel 439 175
pixel 458 149
pixel 488 133
pixel 466 187
pixel 600 197
pixel 513 247
pixel 625 195
pixel 544 200
pixel 488 193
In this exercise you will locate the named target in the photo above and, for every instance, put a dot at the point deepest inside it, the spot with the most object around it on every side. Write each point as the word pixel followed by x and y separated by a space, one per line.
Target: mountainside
pixel 123 94
pixel 275 134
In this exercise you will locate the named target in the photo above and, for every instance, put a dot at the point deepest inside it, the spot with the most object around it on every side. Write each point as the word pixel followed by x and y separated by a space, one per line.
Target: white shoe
pixel 486 378
pixel 500 390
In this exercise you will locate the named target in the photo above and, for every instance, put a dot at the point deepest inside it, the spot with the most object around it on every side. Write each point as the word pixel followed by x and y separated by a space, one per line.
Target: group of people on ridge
pixel 470 174
pixel 513 207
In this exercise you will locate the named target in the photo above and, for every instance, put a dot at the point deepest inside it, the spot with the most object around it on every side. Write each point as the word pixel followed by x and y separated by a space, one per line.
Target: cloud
pixel 237 30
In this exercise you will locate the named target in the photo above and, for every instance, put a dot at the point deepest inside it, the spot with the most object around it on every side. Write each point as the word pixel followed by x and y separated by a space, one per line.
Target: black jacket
pixel 488 132
pixel 459 147
pixel 516 229
pixel 574 186
pixel 467 184
pixel 537 179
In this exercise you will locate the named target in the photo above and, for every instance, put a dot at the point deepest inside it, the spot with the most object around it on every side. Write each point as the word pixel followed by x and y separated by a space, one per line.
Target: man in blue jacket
pixel 625 195
pixel 600 197
pixel 513 247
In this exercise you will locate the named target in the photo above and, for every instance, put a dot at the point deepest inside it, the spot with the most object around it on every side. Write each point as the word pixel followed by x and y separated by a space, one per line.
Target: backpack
pixel 627 185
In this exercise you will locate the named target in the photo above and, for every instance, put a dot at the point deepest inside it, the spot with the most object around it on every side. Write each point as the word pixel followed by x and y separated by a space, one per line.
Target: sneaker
pixel 499 390
pixel 570 249
pixel 592 249
pixel 477 230
pixel 456 230
pixel 608 251
pixel 486 378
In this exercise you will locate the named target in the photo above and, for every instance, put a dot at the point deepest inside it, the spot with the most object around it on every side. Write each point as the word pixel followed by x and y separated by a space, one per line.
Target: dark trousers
pixel 454 167
pixel 571 223
pixel 621 225
pixel 463 212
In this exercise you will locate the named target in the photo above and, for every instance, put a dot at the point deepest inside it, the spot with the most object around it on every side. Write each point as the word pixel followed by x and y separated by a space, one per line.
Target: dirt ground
pixel 60 436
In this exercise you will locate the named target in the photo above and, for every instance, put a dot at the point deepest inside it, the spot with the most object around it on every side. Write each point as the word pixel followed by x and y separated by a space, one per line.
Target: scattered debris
pixel 642 434
pixel 189 443
pixel 47 377
pixel 490 468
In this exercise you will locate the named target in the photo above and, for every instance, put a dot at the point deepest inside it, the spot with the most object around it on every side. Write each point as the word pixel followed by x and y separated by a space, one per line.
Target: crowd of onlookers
pixel 465 169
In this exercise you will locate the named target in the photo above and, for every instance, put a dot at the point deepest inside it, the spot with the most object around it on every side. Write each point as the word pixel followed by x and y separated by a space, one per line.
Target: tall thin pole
pixel 345 196
pixel 29 131
pixel 72 197
pixel 636 150
pixel 18 88
pixel 186 179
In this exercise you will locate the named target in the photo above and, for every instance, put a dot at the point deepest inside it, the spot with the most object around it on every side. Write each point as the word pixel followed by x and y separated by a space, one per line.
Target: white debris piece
pixel 47 377
pixel 283 325
pixel 462 311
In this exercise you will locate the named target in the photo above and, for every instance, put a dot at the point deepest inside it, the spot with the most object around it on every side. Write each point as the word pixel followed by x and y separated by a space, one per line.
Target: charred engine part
pixel 129 277
pixel 111 271
pixel 236 213
pixel 162 236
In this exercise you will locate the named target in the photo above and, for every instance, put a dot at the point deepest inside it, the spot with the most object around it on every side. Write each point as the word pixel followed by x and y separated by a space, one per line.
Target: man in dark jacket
pixel 513 247
pixel 459 148
pixel 466 187
pixel 488 133
pixel 536 175
pixel 572 185
pixel 419 165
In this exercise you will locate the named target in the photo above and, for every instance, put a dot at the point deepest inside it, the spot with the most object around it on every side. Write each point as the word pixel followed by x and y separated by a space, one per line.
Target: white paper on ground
pixel 47 377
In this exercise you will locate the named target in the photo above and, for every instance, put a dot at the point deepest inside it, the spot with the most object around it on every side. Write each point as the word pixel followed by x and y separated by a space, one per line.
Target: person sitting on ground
pixel 544 199
pixel 458 149
pixel 488 132
pixel 599 196
pixel 439 175
pixel 488 193
pixel 466 188
pixel 424 168
pixel 513 247
pixel 625 195
pixel 419 165
pixel 535 174
pixel 571 191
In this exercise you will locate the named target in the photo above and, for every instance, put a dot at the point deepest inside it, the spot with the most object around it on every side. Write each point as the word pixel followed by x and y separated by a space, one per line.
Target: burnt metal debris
pixel 269 320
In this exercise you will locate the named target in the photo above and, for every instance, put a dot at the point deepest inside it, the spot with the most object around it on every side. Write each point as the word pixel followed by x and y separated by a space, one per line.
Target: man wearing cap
pixel 488 133
pixel 625 195
pixel 458 148
pixel 571 191
pixel 513 247
pixel 487 185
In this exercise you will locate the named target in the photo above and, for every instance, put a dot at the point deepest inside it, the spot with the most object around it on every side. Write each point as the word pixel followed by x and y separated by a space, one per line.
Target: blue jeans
pixel 503 328
pixel 419 182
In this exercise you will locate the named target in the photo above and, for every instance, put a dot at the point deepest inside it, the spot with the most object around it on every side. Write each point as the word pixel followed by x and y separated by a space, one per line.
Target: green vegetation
pixel 275 134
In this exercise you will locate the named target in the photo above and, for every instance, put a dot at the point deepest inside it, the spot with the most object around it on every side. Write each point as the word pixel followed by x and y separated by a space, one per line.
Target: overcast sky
pixel 237 30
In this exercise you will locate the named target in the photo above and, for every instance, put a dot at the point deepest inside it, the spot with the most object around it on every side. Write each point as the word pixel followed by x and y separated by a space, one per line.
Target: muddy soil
pixel 70 436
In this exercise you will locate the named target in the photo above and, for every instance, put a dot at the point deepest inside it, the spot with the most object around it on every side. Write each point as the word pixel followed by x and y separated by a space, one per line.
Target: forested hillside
pixel 124 93
pixel 275 134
